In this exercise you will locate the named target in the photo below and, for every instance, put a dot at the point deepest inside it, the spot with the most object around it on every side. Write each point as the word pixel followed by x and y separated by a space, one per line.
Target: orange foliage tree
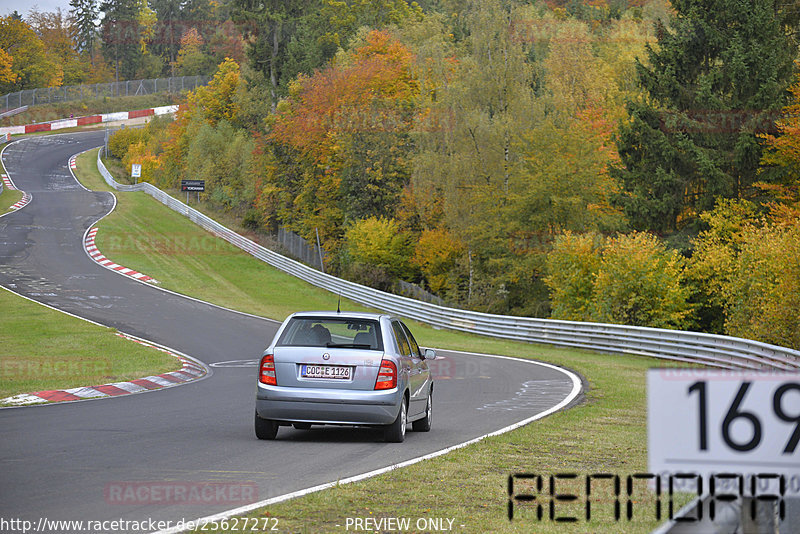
pixel 782 157
pixel 340 141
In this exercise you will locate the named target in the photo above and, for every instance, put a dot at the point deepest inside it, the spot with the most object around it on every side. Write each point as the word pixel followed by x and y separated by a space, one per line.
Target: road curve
pixel 59 461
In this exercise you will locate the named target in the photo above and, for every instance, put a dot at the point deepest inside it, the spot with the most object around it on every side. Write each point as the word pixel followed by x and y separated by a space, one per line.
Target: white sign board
pixel 136 170
pixel 709 423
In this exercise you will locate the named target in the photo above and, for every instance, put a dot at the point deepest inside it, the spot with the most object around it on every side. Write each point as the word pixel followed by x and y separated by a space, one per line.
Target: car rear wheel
pixel 266 428
pixel 396 432
pixel 424 424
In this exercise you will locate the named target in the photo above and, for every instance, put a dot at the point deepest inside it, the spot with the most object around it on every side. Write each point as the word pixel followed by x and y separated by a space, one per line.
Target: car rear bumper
pixel 330 406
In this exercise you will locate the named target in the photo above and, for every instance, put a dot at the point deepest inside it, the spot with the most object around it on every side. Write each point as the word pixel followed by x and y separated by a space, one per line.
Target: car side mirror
pixel 429 354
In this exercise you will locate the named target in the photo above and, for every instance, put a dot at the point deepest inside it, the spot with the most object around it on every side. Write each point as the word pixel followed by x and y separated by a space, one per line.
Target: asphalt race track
pixel 58 461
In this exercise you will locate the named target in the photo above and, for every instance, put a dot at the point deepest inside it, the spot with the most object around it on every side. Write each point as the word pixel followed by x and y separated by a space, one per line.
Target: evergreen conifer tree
pixel 715 81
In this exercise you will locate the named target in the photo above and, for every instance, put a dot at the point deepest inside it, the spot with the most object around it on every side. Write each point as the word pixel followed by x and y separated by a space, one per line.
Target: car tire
pixel 266 428
pixel 396 432
pixel 301 426
pixel 424 424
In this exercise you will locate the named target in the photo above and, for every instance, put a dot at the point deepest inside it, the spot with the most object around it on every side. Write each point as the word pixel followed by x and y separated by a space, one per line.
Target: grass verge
pixel 146 236
pixel 43 349
pixel 605 434
pixel 8 198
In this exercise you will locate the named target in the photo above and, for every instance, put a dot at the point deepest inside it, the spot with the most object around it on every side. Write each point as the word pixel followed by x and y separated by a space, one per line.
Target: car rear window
pixel 332 333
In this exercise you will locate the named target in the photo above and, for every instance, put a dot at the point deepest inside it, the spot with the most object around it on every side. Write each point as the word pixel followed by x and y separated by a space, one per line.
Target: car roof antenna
pixel 338 304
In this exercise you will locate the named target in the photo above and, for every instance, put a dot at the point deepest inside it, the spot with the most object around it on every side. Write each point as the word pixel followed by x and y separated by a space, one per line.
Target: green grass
pixel 144 235
pixel 605 434
pixel 8 198
pixel 42 349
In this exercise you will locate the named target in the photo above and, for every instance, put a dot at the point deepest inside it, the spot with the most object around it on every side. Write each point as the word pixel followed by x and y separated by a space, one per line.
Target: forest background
pixel 621 161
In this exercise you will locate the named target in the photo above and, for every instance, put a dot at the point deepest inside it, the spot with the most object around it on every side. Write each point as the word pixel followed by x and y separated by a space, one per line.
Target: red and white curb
pixel 84 121
pixel 73 163
pixel 189 371
pixel 26 197
pixel 97 256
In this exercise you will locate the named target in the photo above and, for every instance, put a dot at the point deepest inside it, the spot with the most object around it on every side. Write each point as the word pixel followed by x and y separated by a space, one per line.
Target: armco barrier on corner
pixel 691 347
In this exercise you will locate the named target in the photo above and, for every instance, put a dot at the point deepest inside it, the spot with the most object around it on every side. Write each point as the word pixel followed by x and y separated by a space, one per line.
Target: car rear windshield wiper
pixel 348 345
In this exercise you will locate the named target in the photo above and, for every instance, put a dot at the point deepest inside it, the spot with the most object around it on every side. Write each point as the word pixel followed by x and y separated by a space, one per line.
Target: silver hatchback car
pixel 344 369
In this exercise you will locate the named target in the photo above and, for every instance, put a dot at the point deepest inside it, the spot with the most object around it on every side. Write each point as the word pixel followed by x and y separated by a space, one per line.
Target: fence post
pixel 319 250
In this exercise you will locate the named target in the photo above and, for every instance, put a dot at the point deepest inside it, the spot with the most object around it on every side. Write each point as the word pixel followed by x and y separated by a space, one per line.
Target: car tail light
pixel 266 371
pixel 387 375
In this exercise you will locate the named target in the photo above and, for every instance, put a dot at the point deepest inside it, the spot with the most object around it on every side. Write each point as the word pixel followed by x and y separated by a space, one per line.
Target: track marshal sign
pixel 708 422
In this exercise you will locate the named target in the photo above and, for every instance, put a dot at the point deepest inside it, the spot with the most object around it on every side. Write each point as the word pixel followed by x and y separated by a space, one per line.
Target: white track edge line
pixel 576 390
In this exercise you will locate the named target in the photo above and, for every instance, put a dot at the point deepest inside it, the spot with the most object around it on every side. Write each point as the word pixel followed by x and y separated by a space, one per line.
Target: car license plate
pixel 325 371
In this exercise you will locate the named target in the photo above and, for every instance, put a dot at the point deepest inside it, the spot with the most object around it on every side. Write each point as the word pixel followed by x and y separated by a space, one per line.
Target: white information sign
pixel 136 170
pixel 725 423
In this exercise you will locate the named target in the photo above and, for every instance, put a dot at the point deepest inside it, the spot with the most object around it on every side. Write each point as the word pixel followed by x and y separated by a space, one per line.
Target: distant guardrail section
pixel 689 347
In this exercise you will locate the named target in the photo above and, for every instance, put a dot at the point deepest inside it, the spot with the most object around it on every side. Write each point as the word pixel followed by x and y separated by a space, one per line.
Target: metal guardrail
pixel 690 347
pixel 12 112
pixel 49 95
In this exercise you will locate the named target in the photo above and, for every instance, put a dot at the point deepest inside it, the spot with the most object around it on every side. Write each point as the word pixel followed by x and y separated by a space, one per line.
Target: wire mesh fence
pixel 301 249
pixel 51 95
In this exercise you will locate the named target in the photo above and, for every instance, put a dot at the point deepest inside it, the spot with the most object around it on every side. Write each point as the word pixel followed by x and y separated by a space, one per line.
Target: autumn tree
pixel 32 65
pixel 7 74
pixel 764 291
pixel 436 253
pixel 479 103
pixel 572 267
pixel 377 249
pixel 718 73
pixel 575 76
pixel 781 160
pixel 714 257
pixel 55 31
pixel 341 139
pixel 191 59
pixel 641 283
pixel 216 101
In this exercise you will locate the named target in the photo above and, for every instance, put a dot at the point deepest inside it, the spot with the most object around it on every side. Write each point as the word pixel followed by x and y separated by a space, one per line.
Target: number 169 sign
pixel 710 422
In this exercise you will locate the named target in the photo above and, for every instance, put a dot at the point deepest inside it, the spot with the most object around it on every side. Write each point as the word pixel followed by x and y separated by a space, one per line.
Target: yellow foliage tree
pixel 436 254
pixel 33 65
pixel 7 75
pixel 572 267
pixel 379 241
pixel 640 283
pixel 715 254
pixel 764 290
pixel 216 101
